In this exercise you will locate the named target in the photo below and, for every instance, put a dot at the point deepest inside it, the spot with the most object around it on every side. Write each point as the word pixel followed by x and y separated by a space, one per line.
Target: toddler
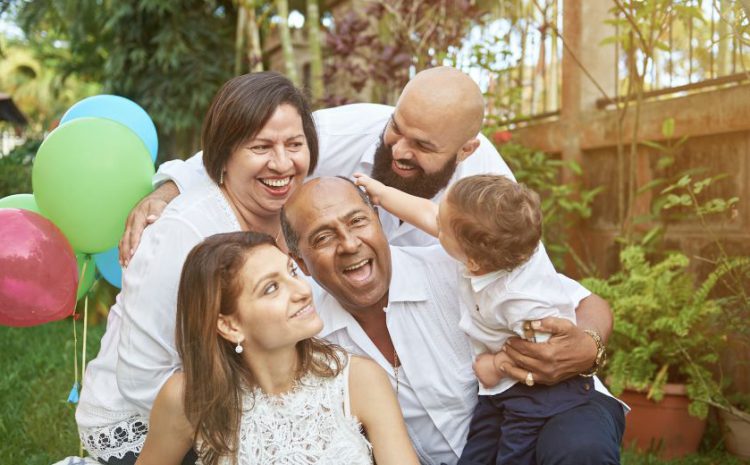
pixel 493 226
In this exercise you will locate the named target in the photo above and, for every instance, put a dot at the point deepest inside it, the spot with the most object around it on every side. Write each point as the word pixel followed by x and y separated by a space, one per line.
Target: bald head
pixel 315 193
pixel 446 94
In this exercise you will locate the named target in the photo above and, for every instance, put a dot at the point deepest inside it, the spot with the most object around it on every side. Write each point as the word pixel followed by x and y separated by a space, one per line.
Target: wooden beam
pixel 713 112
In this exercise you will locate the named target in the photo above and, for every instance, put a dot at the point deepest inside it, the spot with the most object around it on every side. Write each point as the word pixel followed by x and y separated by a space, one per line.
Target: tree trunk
pixel 239 38
pixel 316 56
pixel 254 53
pixel 282 8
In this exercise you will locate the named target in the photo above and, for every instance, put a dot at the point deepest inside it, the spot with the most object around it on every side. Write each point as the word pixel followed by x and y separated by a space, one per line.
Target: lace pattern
pixel 116 440
pixel 307 425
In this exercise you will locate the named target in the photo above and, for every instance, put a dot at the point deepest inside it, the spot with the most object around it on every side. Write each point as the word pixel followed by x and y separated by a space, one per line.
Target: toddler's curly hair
pixel 496 221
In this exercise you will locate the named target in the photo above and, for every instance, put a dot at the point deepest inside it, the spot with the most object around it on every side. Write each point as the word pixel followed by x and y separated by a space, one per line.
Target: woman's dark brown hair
pixel 239 111
pixel 215 376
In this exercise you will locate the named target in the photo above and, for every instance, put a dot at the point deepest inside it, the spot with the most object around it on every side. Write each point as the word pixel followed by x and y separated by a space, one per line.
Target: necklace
pixel 395 369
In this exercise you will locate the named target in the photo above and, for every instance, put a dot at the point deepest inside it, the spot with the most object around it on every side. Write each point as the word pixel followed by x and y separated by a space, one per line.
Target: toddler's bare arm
pixel 420 212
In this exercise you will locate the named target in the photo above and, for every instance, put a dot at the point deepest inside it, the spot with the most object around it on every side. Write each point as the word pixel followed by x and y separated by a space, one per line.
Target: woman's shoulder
pixel 363 372
pixel 203 209
pixel 172 394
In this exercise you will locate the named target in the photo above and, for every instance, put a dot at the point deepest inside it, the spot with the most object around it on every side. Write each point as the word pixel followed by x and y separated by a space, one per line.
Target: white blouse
pixel 311 424
pixel 138 353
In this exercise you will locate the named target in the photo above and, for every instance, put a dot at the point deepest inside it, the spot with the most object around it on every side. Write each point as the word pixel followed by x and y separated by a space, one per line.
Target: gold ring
pixel 529 379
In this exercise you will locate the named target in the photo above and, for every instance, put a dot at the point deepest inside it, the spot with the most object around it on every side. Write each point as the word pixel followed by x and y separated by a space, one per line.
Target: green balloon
pixel 87 176
pixel 22 201
pixel 87 279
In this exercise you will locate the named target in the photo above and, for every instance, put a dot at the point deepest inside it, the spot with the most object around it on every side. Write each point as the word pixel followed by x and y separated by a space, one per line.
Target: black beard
pixel 420 185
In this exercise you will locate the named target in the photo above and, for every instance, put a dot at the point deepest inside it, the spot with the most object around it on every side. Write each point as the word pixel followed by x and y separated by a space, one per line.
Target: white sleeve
pixel 146 351
pixel 517 309
pixel 573 289
pixel 188 174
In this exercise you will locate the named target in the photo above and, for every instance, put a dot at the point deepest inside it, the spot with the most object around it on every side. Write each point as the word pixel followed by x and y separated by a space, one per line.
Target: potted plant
pixel 664 345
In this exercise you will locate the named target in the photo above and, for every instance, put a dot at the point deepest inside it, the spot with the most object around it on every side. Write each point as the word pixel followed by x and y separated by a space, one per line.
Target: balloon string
pixel 75 350
pixel 85 328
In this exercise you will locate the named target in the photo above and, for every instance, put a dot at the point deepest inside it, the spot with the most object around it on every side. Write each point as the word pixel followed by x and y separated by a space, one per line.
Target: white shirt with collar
pixel 348 136
pixel 436 387
pixel 495 305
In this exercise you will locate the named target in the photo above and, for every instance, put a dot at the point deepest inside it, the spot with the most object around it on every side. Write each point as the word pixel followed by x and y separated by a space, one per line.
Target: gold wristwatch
pixel 601 353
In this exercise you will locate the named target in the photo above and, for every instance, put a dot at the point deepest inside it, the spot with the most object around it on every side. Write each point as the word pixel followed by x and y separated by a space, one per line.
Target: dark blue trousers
pixel 568 423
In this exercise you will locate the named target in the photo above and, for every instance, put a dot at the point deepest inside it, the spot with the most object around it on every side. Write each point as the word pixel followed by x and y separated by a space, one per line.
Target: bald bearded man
pixel 429 140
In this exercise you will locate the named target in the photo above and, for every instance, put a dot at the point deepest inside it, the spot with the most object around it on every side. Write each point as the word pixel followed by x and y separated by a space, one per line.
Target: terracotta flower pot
pixel 664 427
pixel 736 428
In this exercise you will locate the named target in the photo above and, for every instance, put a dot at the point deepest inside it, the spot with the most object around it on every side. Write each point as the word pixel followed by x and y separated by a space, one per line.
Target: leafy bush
pixel 15 169
pixel 665 327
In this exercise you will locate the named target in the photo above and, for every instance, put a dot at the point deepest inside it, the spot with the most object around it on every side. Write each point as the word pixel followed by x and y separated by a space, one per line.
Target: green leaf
pixel 667 127
pixel 664 162
pixel 652 234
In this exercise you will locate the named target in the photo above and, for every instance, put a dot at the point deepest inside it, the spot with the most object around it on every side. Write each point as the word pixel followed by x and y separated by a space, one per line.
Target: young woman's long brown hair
pixel 215 376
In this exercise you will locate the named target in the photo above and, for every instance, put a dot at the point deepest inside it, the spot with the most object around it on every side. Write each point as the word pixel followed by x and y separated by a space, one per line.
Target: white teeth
pixel 357 265
pixel 300 311
pixel 403 167
pixel 277 182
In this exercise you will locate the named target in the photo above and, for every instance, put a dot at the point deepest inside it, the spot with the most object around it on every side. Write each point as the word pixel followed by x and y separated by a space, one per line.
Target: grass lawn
pixel 37 426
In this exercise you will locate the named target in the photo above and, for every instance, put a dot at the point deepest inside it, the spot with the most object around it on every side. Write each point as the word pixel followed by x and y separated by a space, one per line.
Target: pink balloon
pixel 38 271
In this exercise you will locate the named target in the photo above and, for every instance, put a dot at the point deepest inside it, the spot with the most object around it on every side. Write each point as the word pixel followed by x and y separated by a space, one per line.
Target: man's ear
pixel 301 264
pixel 467 149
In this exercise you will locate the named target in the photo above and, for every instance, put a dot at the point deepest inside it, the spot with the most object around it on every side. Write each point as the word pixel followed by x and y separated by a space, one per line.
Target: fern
pixel 666 326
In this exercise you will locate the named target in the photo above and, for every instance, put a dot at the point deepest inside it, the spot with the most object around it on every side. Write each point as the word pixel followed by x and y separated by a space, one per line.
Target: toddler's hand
pixel 373 188
pixel 484 369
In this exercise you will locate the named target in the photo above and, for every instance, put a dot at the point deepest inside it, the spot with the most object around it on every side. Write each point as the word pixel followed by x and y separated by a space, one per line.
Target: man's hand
pixel 490 368
pixel 148 210
pixel 568 352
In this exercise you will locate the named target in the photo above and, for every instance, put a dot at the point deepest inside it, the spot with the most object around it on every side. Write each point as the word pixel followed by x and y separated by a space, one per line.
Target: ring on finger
pixel 529 379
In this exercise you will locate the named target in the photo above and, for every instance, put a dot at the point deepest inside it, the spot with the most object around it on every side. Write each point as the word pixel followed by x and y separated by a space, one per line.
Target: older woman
pixel 259 143
pixel 257 387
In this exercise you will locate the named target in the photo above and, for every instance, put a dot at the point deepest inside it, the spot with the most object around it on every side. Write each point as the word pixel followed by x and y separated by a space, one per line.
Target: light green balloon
pixel 87 176
pixel 87 279
pixel 22 201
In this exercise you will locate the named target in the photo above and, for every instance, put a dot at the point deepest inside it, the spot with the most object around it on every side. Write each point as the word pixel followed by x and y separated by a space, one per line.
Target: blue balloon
pixel 109 266
pixel 118 109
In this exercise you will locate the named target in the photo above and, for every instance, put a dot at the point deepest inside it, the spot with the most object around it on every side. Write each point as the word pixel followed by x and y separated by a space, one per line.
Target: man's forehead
pixel 326 200
pixel 419 126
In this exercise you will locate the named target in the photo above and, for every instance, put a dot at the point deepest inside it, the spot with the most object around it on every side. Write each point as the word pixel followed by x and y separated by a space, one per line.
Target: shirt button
pixel 586 386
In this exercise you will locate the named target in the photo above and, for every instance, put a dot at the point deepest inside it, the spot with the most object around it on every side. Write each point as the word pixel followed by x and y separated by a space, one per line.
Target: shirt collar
pixel 408 284
pixel 482 281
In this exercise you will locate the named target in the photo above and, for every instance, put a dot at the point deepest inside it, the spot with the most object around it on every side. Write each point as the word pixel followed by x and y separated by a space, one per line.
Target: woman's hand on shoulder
pixel 170 435
pixel 375 405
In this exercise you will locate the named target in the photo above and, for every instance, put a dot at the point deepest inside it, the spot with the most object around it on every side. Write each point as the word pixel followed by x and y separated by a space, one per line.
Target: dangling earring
pixel 239 347
pixel 221 178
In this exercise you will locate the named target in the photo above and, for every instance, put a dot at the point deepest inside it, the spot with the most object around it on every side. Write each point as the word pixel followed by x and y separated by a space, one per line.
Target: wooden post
pixel 587 74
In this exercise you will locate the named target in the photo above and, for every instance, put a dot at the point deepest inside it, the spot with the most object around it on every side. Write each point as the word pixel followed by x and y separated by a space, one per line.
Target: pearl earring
pixel 239 347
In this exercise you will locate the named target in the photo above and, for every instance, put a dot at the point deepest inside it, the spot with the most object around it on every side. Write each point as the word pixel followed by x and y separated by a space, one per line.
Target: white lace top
pixel 311 424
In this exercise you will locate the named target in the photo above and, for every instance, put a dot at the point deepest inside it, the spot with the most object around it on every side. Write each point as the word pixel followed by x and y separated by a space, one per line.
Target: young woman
pixel 257 387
